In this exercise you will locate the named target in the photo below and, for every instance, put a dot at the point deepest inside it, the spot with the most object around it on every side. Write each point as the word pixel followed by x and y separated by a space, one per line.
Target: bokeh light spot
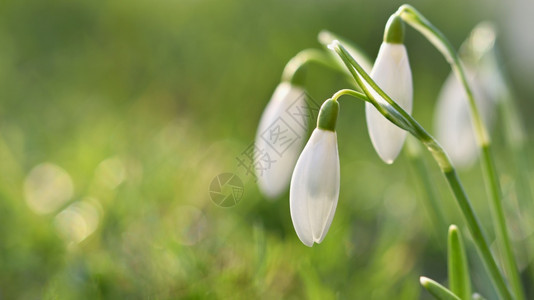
pixel 47 187
pixel 76 222
pixel 111 172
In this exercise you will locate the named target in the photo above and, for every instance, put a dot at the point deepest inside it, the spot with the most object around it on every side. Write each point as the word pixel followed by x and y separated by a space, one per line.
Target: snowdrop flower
pixel 453 123
pixel 392 73
pixel 314 187
pixel 454 128
pixel 279 139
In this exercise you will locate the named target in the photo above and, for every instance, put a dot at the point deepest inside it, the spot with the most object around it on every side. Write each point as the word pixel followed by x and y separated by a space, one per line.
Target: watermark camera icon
pixel 226 190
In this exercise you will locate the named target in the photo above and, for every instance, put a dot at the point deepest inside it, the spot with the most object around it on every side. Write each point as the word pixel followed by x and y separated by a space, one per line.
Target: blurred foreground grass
pixel 123 112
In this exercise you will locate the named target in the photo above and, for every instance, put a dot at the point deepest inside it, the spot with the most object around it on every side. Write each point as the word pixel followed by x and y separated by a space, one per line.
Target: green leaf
pixel 459 281
pixel 326 37
pixel 437 290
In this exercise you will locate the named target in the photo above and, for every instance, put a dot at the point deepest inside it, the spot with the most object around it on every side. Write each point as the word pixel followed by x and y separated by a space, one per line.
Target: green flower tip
pixel 453 229
pixel 328 115
pixel 394 33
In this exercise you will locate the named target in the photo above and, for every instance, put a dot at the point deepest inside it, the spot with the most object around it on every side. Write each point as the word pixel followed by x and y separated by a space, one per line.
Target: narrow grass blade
pixel 459 281
pixel 437 290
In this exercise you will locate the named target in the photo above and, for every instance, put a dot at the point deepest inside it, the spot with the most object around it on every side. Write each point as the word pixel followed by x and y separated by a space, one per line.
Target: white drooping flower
pixel 393 75
pixel 279 138
pixel 314 188
pixel 453 123
pixel 452 119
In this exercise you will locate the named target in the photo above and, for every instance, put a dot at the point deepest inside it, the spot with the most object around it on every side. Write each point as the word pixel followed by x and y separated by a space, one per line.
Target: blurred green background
pixel 116 115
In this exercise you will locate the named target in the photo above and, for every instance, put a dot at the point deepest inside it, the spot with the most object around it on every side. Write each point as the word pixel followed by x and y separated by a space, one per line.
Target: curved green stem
pixel 391 110
pixel 350 92
pixel 402 117
pixel 415 19
pixel 293 69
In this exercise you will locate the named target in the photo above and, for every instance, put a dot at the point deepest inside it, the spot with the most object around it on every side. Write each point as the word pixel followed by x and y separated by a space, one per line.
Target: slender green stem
pixel 477 234
pixel 364 97
pixel 401 118
pixel 479 50
pixel 414 18
pixel 499 219
pixel 391 110
pixel 349 92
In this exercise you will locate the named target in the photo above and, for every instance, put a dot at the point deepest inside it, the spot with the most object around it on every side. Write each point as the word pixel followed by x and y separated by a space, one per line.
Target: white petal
pixel 279 139
pixel 315 187
pixel 454 129
pixel 392 73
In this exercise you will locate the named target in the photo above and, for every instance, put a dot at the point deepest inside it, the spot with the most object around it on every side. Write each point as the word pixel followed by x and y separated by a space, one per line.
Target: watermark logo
pixel 281 135
pixel 304 110
pixel 287 130
pixel 226 190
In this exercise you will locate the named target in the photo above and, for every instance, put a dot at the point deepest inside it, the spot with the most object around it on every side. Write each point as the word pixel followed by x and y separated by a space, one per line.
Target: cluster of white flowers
pixel 315 174
pixel 464 111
